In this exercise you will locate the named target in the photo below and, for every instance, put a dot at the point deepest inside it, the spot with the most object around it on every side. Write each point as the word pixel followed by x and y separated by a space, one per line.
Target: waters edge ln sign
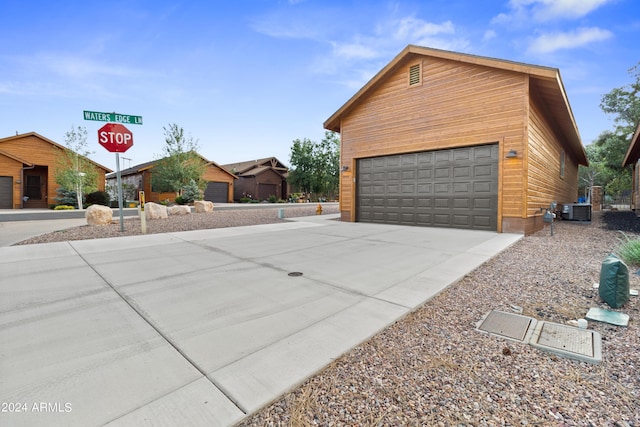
pixel 112 117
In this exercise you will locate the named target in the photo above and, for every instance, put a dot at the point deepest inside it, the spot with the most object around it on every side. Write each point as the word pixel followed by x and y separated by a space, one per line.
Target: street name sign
pixel 112 117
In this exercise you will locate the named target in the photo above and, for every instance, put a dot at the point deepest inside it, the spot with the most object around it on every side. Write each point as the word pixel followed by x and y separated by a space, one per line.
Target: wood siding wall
pixel 545 183
pixel 455 105
pixel 41 153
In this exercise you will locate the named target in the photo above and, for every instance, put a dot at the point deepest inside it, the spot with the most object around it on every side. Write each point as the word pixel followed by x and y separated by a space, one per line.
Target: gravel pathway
pixel 433 369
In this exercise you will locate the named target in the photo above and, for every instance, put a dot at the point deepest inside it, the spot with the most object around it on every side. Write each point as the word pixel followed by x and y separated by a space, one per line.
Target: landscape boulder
pixel 98 215
pixel 155 211
pixel 179 210
pixel 203 206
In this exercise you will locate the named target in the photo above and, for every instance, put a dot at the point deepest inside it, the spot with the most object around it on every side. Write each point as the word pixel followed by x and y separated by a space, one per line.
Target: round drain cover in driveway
pixel 295 274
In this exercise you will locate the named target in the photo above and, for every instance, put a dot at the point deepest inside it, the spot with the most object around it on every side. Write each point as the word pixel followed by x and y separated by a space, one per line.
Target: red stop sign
pixel 115 137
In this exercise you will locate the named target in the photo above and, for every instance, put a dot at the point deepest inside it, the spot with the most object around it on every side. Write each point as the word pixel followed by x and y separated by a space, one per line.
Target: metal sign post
pixel 119 182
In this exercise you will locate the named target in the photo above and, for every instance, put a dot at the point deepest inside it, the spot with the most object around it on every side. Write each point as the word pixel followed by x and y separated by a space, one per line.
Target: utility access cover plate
pixel 568 341
pixel 507 325
pixel 608 316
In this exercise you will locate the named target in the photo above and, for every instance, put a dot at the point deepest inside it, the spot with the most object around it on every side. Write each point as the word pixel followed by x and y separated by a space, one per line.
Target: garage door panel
pixel 461 220
pixel 440 203
pixel 448 188
pixel 408 202
pixel 483 187
pixel 440 188
pixel 424 202
pixel 462 154
pixel 425 173
pixel 462 171
pixel 443 156
pixel 462 188
pixel 481 171
pixel 443 173
pixel 217 192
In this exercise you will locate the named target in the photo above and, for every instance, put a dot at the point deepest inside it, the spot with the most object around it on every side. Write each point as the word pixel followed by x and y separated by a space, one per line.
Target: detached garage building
pixel 446 139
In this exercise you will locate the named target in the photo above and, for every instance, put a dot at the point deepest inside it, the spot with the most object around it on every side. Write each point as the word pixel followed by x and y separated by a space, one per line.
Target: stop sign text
pixel 115 137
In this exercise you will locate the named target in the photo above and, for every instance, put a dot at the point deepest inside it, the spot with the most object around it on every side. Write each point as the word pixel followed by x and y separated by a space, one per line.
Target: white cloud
pixel 354 51
pixel 488 35
pixel 553 9
pixel 522 11
pixel 548 43
pixel 411 28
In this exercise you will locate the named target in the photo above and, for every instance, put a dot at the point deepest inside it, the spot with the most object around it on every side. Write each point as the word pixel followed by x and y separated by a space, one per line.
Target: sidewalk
pixel 201 328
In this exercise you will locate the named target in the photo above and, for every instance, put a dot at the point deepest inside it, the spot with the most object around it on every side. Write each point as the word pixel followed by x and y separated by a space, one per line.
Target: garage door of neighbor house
pixel 455 188
pixel 217 192
pixel 267 190
pixel 6 192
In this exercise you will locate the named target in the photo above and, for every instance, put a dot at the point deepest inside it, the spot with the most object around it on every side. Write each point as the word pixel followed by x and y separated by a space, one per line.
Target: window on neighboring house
pixel 415 75
pixel 562 160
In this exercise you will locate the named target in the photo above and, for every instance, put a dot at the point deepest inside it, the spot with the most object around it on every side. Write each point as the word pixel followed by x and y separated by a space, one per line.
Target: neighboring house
pixel 440 138
pixel 28 164
pixel 219 182
pixel 633 158
pixel 259 179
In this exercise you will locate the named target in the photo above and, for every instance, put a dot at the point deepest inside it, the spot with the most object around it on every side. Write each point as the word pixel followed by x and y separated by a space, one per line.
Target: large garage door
pixel 217 192
pixel 6 192
pixel 267 190
pixel 446 188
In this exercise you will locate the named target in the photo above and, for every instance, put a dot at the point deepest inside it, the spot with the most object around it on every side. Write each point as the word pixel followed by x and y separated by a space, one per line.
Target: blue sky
pixel 245 78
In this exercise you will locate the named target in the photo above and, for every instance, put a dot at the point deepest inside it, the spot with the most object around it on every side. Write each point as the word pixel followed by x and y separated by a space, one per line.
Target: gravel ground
pixel 433 369
pixel 194 221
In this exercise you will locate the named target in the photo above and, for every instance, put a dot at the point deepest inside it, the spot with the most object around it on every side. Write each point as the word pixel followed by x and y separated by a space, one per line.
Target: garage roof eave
pixel 633 152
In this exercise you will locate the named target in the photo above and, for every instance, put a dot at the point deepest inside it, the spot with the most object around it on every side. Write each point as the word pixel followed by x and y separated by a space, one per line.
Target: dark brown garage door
pixel 217 192
pixel 266 190
pixel 455 188
pixel 6 192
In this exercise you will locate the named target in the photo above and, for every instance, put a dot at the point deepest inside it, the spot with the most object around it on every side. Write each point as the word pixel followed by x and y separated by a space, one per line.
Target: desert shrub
pixel 99 198
pixel 272 198
pixel 629 249
pixel 66 197
pixel 63 208
pixel 191 192
pixel 181 200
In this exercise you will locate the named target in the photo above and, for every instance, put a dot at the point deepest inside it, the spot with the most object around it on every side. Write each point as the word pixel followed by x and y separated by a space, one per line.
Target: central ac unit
pixel 576 212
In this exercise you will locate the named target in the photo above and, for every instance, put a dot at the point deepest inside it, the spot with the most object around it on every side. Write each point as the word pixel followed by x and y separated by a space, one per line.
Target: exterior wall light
pixel 345 168
pixel 512 154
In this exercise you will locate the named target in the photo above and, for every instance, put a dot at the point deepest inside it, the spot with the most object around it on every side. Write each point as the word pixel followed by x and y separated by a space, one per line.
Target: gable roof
pixel 148 165
pixel 16 158
pixel 633 152
pixel 256 167
pixel 545 80
pixel 55 144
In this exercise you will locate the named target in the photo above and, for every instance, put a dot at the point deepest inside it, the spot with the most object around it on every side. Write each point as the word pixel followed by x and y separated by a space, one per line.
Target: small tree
pixel 75 172
pixel 180 163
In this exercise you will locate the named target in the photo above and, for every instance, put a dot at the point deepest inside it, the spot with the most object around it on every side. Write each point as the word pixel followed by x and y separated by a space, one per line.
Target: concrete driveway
pixel 201 328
